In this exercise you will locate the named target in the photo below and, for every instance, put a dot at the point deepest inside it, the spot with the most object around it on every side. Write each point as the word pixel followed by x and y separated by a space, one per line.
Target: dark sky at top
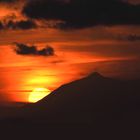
pixel 78 13
pixel 83 13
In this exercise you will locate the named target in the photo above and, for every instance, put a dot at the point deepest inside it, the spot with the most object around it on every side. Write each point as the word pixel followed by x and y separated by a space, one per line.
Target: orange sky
pixel 77 53
pixel 76 56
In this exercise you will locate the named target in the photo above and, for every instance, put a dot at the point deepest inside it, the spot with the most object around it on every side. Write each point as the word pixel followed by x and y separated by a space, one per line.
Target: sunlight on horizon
pixel 38 94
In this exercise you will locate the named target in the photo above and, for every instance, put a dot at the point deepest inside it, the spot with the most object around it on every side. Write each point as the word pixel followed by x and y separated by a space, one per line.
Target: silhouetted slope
pixel 93 99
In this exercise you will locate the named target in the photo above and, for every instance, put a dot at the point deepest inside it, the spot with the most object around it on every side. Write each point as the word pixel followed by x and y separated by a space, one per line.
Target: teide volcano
pixel 93 99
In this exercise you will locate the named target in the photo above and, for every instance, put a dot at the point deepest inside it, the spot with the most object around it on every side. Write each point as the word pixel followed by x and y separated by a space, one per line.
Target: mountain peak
pixel 95 75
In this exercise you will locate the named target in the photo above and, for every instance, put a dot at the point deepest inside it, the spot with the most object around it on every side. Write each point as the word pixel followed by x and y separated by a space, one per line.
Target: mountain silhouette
pixel 94 107
pixel 92 100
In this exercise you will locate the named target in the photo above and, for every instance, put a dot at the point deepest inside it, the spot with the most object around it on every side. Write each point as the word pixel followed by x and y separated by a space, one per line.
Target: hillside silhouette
pixel 95 106
pixel 93 99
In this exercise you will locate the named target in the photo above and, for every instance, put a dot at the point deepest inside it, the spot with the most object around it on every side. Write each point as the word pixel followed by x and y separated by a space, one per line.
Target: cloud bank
pixel 83 13
pixel 22 24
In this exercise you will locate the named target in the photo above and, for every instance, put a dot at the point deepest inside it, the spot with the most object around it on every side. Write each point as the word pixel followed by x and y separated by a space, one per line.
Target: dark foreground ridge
pixel 101 103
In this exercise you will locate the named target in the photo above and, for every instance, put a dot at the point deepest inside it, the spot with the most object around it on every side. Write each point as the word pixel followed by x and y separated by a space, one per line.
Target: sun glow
pixel 37 94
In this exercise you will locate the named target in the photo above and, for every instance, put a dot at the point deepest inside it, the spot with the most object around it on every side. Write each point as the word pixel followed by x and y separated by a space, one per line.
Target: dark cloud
pixel 23 24
pixel 8 1
pixel 23 49
pixel 83 13
pixel 1 26
pixel 132 37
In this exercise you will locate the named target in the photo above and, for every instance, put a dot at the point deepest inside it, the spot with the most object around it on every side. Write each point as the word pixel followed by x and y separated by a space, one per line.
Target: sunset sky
pixel 85 36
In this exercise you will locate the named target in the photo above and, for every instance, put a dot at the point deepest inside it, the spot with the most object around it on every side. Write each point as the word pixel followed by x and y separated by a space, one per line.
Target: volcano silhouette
pixel 93 99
